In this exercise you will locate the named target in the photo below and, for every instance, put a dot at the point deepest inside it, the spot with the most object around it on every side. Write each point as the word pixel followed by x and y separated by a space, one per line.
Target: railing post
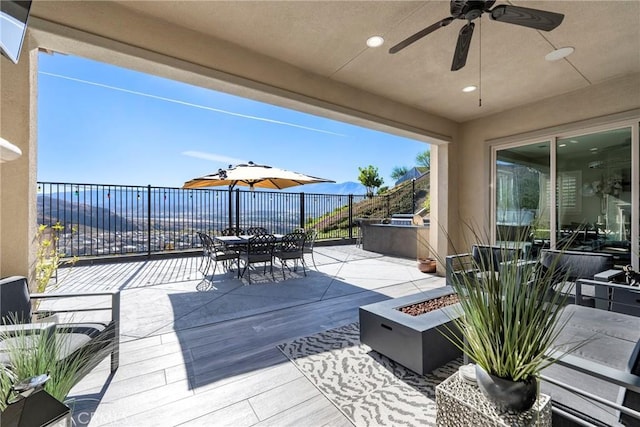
pixel 302 213
pixel 230 197
pixel 237 208
pixel 148 220
pixel 388 206
pixel 350 216
pixel 413 195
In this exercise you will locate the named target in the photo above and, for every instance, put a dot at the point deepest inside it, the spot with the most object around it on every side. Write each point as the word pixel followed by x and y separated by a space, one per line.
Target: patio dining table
pixel 240 243
pixel 241 240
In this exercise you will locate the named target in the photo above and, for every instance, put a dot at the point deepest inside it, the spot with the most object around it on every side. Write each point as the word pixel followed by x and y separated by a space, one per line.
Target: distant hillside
pixel 81 214
pixel 398 199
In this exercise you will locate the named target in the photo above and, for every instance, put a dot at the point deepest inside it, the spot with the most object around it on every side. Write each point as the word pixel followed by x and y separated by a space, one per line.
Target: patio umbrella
pixel 254 176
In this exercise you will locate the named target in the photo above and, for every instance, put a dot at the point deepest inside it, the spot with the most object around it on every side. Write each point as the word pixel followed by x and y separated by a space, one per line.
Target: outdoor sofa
pixel 599 383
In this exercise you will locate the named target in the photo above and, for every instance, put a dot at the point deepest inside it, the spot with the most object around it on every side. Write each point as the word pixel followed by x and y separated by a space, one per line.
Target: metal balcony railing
pixel 107 220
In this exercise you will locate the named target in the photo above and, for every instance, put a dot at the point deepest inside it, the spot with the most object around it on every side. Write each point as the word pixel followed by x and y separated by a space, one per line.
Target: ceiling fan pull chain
pixel 480 66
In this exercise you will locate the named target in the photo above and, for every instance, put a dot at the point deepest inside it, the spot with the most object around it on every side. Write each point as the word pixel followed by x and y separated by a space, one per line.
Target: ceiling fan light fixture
pixel 375 41
pixel 468 89
pixel 558 54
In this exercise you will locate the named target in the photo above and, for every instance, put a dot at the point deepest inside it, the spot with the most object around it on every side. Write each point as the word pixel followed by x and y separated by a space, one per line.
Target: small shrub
pixel 48 258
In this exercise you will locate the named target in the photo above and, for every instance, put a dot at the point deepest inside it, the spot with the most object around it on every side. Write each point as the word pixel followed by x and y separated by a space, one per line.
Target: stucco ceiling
pixel 328 38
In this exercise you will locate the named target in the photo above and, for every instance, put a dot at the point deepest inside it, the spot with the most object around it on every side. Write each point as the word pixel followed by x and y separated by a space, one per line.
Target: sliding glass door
pixel 523 199
pixel 571 192
pixel 594 193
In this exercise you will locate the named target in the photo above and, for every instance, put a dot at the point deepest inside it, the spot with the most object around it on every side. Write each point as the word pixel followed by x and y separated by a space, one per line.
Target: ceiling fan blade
pixel 462 46
pixel 420 34
pixel 532 18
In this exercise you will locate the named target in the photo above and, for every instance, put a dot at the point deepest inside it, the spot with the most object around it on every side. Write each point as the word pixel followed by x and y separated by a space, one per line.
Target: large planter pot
pixel 45 317
pixel 427 265
pixel 507 395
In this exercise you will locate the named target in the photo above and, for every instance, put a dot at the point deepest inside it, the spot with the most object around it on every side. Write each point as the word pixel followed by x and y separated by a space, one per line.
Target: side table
pixel 459 403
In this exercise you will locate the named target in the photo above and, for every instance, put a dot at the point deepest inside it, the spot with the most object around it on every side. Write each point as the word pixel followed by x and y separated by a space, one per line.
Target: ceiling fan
pixel 470 10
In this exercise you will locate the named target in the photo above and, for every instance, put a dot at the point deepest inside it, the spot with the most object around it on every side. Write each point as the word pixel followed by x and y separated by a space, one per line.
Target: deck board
pixel 226 369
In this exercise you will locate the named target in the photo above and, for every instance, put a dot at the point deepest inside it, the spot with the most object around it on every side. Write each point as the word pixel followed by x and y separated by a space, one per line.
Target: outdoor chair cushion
pixel 574 265
pixel 611 341
pixel 491 257
pixel 483 260
pixel 74 340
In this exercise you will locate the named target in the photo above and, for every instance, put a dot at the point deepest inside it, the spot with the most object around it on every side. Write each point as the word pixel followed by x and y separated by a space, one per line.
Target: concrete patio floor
pixel 202 351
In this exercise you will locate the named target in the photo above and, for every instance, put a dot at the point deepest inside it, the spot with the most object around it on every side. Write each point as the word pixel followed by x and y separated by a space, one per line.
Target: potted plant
pixel 509 319
pixel 27 353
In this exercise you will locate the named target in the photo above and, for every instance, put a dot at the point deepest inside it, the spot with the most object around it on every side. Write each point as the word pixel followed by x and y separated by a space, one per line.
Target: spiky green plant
pixel 6 381
pixel 28 354
pixel 509 319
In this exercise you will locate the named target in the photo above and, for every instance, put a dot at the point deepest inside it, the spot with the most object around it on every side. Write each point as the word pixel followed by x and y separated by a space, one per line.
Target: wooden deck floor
pixel 192 357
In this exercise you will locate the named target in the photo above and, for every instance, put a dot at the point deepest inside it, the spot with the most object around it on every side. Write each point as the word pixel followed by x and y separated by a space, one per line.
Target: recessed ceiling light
pixel 375 41
pixel 573 141
pixel 557 54
pixel 562 145
pixel 469 88
pixel 593 149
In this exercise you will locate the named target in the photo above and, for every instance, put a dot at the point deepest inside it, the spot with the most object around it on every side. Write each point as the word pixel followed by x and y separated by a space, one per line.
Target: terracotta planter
pixel 427 265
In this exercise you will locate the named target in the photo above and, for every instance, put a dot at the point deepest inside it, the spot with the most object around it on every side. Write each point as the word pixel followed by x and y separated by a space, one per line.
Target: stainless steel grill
pixel 402 219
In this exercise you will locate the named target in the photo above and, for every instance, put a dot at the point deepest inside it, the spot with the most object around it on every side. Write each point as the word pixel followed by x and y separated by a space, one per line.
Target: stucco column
pixel 18 108
pixel 443 202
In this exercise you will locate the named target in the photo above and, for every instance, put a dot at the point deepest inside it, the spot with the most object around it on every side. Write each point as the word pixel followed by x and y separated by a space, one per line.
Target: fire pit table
pixel 414 341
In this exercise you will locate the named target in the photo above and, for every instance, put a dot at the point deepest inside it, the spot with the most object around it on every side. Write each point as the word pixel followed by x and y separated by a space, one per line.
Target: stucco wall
pixel 18 177
pixel 474 152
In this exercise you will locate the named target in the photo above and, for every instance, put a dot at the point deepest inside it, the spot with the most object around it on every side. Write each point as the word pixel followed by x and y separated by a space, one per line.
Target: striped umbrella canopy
pixel 254 176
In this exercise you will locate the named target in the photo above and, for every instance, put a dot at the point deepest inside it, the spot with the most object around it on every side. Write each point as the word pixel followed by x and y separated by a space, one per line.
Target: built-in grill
pixel 402 219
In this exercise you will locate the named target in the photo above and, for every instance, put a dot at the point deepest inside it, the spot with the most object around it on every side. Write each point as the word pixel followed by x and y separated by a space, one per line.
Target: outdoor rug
pixel 369 388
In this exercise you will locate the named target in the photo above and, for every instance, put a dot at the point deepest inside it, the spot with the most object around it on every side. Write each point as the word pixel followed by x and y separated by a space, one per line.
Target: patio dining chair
pixel 291 247
pixel 254 231
pixel 215 251
pixel 232 231
pixel 204 241
pixel 309 242
pixel 259 249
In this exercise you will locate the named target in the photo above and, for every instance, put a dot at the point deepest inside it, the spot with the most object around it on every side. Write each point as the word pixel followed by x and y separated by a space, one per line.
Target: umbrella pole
pixel 230 204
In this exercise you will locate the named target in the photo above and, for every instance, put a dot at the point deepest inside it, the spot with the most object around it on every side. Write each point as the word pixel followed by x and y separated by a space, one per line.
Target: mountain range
pixel 341 188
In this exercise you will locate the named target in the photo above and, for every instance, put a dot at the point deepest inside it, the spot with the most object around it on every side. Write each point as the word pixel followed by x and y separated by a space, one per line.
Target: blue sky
pixel 101 124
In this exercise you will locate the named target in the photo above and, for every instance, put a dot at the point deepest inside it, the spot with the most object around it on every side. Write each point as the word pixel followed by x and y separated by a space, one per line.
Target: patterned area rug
pixel 369 388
